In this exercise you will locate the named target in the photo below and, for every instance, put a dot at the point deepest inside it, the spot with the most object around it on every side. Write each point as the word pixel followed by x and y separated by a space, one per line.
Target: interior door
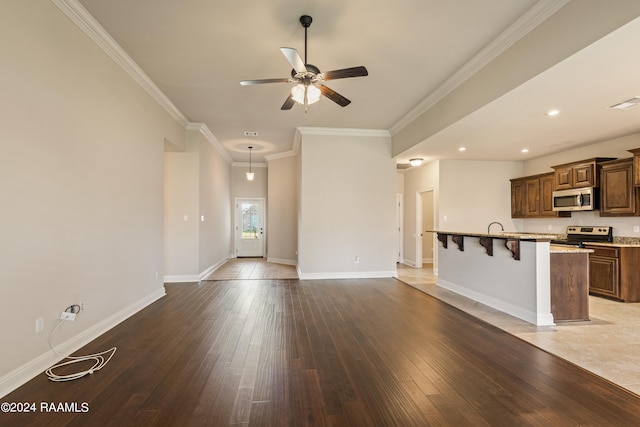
pixel 250 230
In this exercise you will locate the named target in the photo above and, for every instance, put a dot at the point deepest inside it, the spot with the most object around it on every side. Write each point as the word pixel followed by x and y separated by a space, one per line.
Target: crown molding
pixel 204 130
pixel 88 25
pixel 282 155
pixel 379 133
pixel 537 14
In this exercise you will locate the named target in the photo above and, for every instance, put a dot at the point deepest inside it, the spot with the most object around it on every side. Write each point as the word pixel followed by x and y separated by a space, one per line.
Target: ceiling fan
pixel 308 78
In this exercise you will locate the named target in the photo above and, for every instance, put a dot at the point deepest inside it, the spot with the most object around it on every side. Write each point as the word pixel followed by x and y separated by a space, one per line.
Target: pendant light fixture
pixel 250 175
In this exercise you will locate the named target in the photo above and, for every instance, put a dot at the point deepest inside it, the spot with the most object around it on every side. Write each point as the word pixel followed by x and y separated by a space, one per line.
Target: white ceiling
pixel 197 51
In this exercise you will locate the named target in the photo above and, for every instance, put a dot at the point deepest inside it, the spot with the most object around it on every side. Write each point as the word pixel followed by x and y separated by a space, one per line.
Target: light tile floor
pixel 608 345
pixel 252 268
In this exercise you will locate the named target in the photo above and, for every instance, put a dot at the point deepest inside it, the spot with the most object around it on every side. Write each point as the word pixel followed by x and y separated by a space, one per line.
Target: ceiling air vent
pixel 626 105
pixel 247 133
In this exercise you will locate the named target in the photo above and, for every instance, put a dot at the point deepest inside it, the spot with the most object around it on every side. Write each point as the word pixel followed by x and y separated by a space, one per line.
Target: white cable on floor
pixel 99 358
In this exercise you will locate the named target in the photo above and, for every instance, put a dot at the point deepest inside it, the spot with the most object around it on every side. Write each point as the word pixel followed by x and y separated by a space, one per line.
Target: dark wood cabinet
pixel 584 173
pixel 617 192
pixel 636 166
pixel 532 197
pixel 569 286
pixel 614 272
pixel 604 272
pixel 517 198
pixel 547 187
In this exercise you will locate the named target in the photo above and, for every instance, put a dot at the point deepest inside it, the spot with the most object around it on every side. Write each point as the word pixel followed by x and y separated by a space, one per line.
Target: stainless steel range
pixel 577 235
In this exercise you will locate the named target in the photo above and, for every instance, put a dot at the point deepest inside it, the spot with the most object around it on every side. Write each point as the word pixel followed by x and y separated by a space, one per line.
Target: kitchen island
pixel 510 272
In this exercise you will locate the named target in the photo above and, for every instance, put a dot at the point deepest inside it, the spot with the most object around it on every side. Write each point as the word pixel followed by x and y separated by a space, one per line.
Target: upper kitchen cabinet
pixel 518 198
pixel 585 173
pixel 618 196
pixel 532 197
pixel 636 166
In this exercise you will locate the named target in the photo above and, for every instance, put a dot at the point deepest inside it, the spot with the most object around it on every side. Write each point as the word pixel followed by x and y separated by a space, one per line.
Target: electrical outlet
pixel 65 315
pixel 39 324
pixel 81 305
pixel 636 229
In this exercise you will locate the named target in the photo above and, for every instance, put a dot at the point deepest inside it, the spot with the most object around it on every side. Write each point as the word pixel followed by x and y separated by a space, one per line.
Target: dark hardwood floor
pixel 369 352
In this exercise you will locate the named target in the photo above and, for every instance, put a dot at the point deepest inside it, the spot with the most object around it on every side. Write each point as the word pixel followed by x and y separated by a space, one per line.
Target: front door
pixel 250 230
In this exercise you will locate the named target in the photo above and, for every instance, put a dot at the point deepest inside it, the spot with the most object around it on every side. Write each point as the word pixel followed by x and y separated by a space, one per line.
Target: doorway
pixel 250 227
pixel 425 220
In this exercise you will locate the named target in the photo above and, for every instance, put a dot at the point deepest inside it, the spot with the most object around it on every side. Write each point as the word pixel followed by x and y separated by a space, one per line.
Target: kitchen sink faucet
pixel 495 222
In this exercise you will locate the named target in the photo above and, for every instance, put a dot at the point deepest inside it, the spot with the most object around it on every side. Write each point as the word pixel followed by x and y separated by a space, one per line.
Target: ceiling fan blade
pixel 288 104
pixel 261 81
pixel 346 72
pixel 294 59
pixel 334 96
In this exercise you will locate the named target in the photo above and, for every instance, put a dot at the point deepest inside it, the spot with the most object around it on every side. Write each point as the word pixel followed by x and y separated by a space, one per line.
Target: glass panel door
pixel 250 230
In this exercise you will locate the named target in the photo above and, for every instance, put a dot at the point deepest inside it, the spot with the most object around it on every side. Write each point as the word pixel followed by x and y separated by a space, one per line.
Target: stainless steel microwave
pixel 576 199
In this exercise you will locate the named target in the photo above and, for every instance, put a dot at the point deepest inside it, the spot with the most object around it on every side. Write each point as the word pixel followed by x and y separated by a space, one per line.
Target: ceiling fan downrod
pixel 306 21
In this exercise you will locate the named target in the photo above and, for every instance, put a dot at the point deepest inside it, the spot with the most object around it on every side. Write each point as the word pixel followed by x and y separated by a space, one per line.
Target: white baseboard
pixel 538 319
pixel 211 269
pixel 282 261
pixel 179 279
pixel 37 366
pixel 191 278
pixel 347 275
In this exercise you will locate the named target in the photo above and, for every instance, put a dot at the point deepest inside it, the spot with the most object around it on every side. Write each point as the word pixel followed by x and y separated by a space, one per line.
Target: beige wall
pixel 475 193
pixel 181 223
pixel 214 205
pixel 197 210
pixel 282 205
pixel 81 184
pixel 347 205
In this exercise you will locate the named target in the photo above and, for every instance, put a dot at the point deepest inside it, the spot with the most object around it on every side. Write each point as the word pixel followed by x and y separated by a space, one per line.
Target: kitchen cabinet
pixel 517 198
pixel 618 196
pixel 636 166
pixel 584 173
pixel 614 272
pixel 532 197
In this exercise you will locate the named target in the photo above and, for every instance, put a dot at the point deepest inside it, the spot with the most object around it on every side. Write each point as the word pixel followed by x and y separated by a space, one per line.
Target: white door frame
pixel 238 224
pixel 419 226
pixel 400 224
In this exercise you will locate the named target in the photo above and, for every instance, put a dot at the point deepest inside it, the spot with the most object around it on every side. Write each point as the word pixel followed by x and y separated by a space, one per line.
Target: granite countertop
pixel 502 235
pixel 564 249
pixel 630 243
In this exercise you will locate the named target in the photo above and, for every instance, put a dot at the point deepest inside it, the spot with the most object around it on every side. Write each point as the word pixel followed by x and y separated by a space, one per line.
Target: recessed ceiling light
pixel 524 150
pixel 552 113
pixel 462 149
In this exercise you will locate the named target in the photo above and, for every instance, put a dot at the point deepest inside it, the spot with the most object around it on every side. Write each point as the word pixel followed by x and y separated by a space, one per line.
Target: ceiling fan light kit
pixel 308 79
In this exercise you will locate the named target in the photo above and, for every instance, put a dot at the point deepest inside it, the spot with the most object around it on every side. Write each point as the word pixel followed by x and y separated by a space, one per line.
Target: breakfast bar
pixel 512 272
